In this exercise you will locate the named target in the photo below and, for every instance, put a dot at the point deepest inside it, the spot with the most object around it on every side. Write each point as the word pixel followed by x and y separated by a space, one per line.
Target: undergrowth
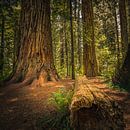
pixel 60 119
pixel 117 87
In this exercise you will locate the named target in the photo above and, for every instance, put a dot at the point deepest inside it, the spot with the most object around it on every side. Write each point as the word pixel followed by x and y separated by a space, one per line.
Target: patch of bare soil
pixel 21 107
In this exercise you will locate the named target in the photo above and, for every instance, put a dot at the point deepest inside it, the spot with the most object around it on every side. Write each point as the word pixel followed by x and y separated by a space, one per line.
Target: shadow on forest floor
pixel 20 107
pixel 123 98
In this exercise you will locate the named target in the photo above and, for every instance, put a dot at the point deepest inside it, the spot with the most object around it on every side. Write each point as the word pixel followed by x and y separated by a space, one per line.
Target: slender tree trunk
pixel 66 49
pixel 65 39
pixel 35 60
pixel 2 45
pixel 61 47
pixel 75 9
pixel 128 19
pixel 54 52
pixel 79 36
pixel 123 23
pixel 72 42
pixel 117 38
pixel 89 55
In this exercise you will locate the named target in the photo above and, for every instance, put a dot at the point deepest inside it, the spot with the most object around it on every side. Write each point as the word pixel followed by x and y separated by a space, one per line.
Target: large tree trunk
pixel 123 75
pixel 89 55
pixel 16 42
pixel 35 60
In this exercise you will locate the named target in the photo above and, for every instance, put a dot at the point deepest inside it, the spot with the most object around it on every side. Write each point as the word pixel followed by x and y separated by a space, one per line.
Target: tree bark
pixel 61 47
pixel 66 49
pixel 123 23
pixel 79 36
pixel 125 70
pixel 35 60
pixel 123 75
pixel 72 42
pixel 117 36
pixel 89 55
pixel 16 42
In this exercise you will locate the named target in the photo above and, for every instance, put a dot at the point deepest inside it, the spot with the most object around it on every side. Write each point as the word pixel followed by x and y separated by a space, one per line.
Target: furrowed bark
pixel 89 54
pixel 35 60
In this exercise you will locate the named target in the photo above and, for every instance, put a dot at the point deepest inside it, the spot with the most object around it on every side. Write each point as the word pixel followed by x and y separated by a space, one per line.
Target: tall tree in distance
pixel 79 34
pixel 35 60
pixel 123 75
pixel 62 47
pixel 117 45
pixel 72 42
pixel 65 40
pixel 89 55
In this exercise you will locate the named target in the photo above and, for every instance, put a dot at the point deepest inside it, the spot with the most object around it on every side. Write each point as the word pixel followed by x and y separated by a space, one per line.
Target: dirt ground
pixel 21 107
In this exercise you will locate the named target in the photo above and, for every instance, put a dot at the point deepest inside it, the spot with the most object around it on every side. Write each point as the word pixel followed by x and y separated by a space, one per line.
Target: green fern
pixel 59 120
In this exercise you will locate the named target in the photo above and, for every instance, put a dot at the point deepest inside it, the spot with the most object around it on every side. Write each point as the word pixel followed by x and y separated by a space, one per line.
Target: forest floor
pixel 21 107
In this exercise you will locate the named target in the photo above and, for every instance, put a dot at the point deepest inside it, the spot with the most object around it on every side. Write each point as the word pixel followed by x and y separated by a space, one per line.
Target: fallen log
pixel 92 109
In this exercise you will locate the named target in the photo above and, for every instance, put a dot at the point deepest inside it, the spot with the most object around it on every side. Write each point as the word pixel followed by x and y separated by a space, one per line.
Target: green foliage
pixel 61 99
pixel 10 10
pixel 105 38
pixel 104 29
pixel 59 120
pixel 107 62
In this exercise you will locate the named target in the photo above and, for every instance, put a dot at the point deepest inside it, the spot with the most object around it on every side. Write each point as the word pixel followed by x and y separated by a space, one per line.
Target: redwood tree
pixel 72 41
pixel 35 60
pixel 123 24
pixel 89 55
pixel 123 75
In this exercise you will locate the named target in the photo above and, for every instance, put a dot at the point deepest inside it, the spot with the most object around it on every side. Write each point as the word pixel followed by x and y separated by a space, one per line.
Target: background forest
pixel 82 47
pixel 107 39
